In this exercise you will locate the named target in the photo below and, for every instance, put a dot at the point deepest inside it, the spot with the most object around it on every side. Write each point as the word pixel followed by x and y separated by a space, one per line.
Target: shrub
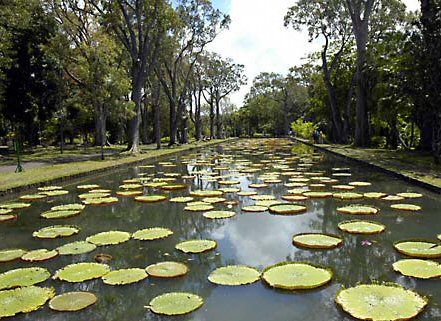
pixel 303 129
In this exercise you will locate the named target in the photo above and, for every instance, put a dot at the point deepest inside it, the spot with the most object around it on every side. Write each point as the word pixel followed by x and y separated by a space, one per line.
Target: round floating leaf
pixel 234 275
pixel 393 198
pixel 360 184
pixel 173 187
pixel 419 249
pixel 23 277
pixel 410 195
pixel 380 302
pixel 101 201
pixel 82 272
pixel 60 214
pixel 296 276
pixel 39 255
pixel 343 187
pixel 206 193
pixel 131 186
pixel 219 214
pixel 5 211
pixel 167 269
pixel 287 209
pixel 254 208
pixel 422 269
pixel 213 200
pixel 175 303
pixel 109 238
pixel 358 210
pixel 183 199
pixel 374 195
pixel 258 185
pixel 23 300
pixel 14 206
pixel 361 227
pixel 317 241
pixel 294 198
pixel 52 232
pixel 72 301
pixel 55 193
pixel 347 196
pixel 128 193
pixel 230 190
pixel 8 217
pixel 196 246
pixel 263 197
pixel 317 194
pixel 49 188
pixel 68 207
pixel 150 234
pixel 11 254
pixel 124 276
pixel 199 207
pixel 88 186
pixel 150 198
pixel 406 207
pixel 93 195
pixel 247 193
pixel 233 182
pixel 268 203
pixel 32 197
pixel 74 248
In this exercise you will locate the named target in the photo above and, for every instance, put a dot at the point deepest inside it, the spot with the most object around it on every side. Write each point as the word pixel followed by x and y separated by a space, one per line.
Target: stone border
pixel 401 176
pixel 86 174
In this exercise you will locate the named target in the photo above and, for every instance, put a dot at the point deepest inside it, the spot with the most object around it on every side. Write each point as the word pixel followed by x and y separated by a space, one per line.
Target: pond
pixel 258 240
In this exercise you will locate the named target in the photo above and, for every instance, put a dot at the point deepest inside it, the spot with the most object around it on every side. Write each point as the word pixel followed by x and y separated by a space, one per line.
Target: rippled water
pixel 255 239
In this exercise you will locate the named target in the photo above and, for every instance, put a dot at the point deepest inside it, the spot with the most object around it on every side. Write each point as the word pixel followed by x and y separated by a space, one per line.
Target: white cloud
pixel 258 39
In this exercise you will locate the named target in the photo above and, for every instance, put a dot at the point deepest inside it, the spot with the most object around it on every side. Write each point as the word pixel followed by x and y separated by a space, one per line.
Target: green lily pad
pixel 296 276
pixel 262 197
pixel 60 214
pixel 175 303
pixel 80 247
pixel 247 193
pixel 268 203
pixel 232 182
pixel 128 193
pixel 49 188
pixel 167 269
pixel 219 214
pixel 131 186
pixel 213 200
pixel 150 198
pixel 317 194
pixel 109 238
pixel 39 255
pixel 347 196
pixel 52 232
pixel 287 209
pixel 422 269
pixel 410 195
pixel 173 187
pixel 72 301
pixel 5 211
pixel 227 190
pixel 68 207
pixel 23 277
pixel 183 199
pixel 55 193
pixel 8 217
pixel 32 197
pixel 206 193
pixel 294 198
pixel 8 255
pixel 317 241
pixel 258 185
pixel 199 207
pixel 234 275
pixel 374 195
pixel 101 201
pixel 392 198
pixel 254 209
pixel 23 300
pixel 15 206
pixel 419 249
pixel 150 234
pixel 88 186
pixel 87 196
pixel 196 246
pixel 381 302
pixel 361 227
pixel 81 272
pixel 406 207
pixel 358 210
pixel 124 276
pixel 360 184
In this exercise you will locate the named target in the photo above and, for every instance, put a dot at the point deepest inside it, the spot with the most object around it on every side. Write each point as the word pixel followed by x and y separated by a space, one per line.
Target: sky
pixel 257 38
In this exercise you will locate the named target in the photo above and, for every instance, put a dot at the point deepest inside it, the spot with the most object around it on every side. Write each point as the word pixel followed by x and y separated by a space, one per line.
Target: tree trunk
pixel 362 138
pixel 211 116
pixel 218 118
pixel 337 122
pixel 134 124
pixel 145 125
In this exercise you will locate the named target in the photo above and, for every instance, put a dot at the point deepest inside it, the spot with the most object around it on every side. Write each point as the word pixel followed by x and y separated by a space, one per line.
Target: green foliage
pixel 303 128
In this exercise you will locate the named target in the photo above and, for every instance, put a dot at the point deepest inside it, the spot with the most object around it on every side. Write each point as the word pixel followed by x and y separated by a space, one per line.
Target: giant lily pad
pixel 182 199
pixel 410 195
pixel 74 248
pixel 358 210
pixel 317 194
pixel 219 214
pixel 93 195
pixel 49 188
pixel 296 276
pixel 15 206
pixel 23 277
pixel 7 217
pixel 101 201
pixel 55 193
pixel 263 197
pixel 380 302
pixel 150 234
pixel 68 207
pixel 393 198
pixel 39 255
pixel 213 200
pixel 81 272
pixel 294 198
pixel 361 227
pixel 52 232
pixel 317 241
pixel 173 187
pixel 167 269
pixel 347 196
pixel 150 198
pixel 360 184
pixel 199 207
pixel 23 300
pixel 406 207
pixel 206 193
pixel 60 214
pixel 234 275
pixel 374 195
pixel 175 303
pixel 124 276
pixel 129 193
pixel 72 301
pixel 422 269
pixel 254 209
pixel 11 254
pixel 88 186
pixel 109 238
pixel 5 211
pixel 196 246
pixel 287 209
pixel 419 249
pixel 32 197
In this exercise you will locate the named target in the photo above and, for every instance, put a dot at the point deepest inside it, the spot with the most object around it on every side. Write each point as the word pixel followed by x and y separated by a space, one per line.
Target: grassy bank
pixel 14 182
